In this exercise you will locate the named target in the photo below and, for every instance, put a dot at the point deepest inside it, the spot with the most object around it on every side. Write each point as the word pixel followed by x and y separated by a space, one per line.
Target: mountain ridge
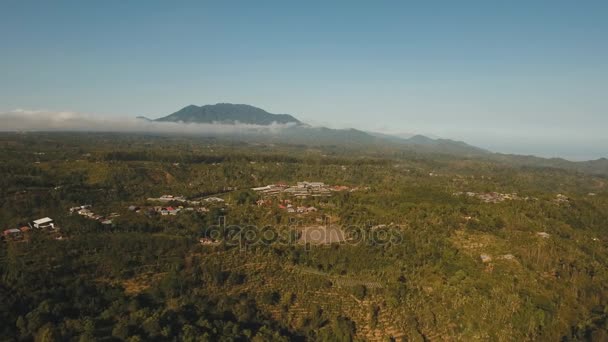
pixel 228 113
pixel 298 132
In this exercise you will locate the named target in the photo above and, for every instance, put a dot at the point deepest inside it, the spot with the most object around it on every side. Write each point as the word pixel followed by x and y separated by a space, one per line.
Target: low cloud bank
pixel 35 120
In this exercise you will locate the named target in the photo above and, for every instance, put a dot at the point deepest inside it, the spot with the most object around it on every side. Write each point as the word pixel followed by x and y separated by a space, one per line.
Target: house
pixel 214 199
pixel 543 235
pixel 207 241
pixel 78 208
pixel 260 202
pixel 85 212
pixel 313 185
pixel 485 258
pixel 45 222
pixel 168 198
pixel 12 234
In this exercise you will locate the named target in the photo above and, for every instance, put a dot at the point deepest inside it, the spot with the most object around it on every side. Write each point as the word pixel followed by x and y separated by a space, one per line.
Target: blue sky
pixel 520 76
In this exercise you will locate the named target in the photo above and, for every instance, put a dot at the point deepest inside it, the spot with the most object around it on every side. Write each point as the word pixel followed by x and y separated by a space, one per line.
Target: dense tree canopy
pixel 425 256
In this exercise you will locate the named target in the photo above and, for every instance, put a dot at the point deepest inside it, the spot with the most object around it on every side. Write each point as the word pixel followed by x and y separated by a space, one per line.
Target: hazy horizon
pixel 524 78
pixel 41 120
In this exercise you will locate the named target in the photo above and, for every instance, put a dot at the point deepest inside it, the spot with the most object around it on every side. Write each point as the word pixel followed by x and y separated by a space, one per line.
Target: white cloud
pixel 42 120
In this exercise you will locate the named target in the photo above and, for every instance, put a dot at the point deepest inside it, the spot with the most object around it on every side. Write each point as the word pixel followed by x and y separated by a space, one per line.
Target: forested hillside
pixel 164 238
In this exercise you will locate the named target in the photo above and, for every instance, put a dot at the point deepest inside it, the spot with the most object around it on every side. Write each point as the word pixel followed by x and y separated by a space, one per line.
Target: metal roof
pixel 43 220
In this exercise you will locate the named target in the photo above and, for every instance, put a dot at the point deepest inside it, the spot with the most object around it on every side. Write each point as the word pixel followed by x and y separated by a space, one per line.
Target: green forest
pixel 433 247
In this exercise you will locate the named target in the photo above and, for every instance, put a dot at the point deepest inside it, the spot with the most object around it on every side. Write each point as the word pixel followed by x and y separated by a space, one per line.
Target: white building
pixel 45 222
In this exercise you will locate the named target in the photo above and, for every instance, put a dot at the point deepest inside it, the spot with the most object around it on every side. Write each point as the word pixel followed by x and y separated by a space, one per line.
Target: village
pixel 22 233
pixel 175 205
pixel 494 197
pixel 497 197
pixel 85 211
pixel 301 189
pixel 272 195
pixel 287 205
pixel 269 195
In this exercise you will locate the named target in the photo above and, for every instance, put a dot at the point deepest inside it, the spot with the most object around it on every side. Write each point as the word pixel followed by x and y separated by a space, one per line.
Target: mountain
pixel 422 143
pixel 300 133
pixel 228 113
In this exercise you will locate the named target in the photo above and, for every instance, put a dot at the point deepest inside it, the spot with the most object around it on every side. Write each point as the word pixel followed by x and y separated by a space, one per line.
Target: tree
pixel 46 334
pixel 359 291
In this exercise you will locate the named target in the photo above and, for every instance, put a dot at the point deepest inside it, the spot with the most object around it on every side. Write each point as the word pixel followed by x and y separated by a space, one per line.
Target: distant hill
pixel 422 143
pixel 594 167
pixel 228 113
pixel 300 133
pixel 421 140
pixel 315 136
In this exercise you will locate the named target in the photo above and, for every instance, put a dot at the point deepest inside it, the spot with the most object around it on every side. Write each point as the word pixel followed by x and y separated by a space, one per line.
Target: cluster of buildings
pixel 492 197
pixel 171 198
pixel 182 199
pixel 299 209
pixel 172 205
pixel 168 210
pixel 213 200
pixel 208 241
pixel 16 234
pixel 85 211
pixel 287 206
pixel 301 189
pixel 171 209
